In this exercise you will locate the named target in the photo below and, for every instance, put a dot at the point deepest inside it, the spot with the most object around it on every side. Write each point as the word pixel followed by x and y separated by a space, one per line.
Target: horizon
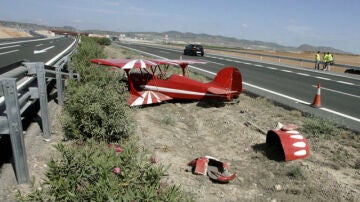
pixel 287 23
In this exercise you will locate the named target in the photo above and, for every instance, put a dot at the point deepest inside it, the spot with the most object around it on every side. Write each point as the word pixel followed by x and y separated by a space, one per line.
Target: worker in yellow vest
pixel 317 60
pixel 330 61
pixel 326 61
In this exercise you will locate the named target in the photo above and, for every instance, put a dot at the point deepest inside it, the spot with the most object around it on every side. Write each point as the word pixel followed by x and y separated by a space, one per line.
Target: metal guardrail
pixel 301 61
pixel 21 85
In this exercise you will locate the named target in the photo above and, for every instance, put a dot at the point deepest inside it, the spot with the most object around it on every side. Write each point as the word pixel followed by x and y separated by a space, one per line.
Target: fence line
pixel 20 87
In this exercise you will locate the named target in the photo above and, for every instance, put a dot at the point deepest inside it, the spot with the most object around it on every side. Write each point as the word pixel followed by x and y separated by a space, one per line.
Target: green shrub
pixel 96 171
pixel 88 49
pixel 102 41
pixel 96 107
pixel 97 111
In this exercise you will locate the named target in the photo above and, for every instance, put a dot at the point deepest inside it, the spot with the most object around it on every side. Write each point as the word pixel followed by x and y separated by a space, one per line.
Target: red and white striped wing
pixel 177 62
pixel 140 63
pixel 125 63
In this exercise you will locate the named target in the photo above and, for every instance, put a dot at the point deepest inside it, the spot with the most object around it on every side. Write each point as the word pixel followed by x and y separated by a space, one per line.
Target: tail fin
pixel 229 78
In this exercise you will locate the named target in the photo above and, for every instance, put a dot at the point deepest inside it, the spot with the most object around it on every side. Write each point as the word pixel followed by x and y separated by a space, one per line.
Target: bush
pixel 97 111
pixel 96 107
pixel 102 41
pixel 93 171
pixel 87 50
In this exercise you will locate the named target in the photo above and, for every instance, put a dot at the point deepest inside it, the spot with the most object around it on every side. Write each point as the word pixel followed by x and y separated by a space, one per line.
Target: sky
pixel 333 23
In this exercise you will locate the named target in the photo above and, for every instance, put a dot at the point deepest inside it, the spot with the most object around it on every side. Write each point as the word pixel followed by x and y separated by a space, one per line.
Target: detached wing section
pixel 146 97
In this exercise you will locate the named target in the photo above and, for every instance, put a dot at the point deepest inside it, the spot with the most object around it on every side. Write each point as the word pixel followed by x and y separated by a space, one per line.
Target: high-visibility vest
pixel 330 58
pixel 317 58
pixel 326 58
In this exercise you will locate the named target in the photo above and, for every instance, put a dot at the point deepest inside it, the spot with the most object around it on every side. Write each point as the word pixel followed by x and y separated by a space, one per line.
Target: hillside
pixel 184 38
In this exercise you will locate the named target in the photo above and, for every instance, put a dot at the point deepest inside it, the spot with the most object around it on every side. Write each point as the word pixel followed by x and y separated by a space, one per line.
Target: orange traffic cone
pixel 317 99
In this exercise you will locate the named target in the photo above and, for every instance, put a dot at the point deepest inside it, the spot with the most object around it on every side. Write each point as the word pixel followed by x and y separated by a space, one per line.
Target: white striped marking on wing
pixel 172 90
pixel 292 132
pixel 299 137
pixel 300 153
pixel 299 144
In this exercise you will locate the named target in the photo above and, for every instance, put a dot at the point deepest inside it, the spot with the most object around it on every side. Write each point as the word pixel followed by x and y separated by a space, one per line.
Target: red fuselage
pixel 179 87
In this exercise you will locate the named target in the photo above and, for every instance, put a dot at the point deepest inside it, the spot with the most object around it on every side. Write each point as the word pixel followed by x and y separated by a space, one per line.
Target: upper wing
pixel 141 63
pixel 177 62
pixel 125 63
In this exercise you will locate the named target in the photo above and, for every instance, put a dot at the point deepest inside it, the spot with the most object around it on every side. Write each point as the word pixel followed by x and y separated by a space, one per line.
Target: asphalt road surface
pixel 33 50
pixel 291 86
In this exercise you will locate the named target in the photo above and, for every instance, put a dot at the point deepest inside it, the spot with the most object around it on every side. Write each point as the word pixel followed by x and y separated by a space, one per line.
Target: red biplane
pixel 151 83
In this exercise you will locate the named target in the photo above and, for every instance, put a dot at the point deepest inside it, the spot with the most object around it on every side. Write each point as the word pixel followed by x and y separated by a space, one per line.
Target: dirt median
pixel 178 132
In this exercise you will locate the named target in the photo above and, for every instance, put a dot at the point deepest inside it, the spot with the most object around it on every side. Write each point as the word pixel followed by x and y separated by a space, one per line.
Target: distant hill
pixel 188 37
pixel 222 41
pixel 32 26
pixel 309 48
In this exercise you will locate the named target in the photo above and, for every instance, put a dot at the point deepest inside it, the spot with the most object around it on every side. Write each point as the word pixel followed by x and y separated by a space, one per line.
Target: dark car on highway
pixel 193 49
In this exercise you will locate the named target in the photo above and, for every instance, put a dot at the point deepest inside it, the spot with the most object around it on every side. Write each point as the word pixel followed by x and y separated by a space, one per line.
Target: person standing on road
pixel 325 58
pixel 317 60
pixel 330 61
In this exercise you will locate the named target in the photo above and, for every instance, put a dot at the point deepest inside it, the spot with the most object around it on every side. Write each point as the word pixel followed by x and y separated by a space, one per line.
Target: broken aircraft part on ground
pixel 215 169
pixel 292 143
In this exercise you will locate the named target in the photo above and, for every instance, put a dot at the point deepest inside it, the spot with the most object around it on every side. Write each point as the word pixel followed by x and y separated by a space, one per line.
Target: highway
pixel 33 50
pixel 290 86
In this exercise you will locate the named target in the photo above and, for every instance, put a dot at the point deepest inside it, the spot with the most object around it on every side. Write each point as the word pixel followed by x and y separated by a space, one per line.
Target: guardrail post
pixel 15 130
pixel 59 86
pixel 69 67
pixel 40 72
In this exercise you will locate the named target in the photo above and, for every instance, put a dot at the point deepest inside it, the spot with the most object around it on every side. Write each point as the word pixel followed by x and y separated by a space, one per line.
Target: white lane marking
pixel 247 63
pixel 287 71
pixel 60 54
pixel 344 82
pixel 341 114
pixel 336 91
pixel 43 50
pixel 8 52
pixel 27 41
pixel 302 74
pixel 270 91
pixel 39 45
pixel 303 102
pixel 323 78
pixel 273 68
pixel 9 46
pixel 278 94
pixel 259 65
pixel 212 62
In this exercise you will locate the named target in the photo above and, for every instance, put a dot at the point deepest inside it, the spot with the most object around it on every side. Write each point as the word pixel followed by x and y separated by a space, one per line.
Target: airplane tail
pixel 231 79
